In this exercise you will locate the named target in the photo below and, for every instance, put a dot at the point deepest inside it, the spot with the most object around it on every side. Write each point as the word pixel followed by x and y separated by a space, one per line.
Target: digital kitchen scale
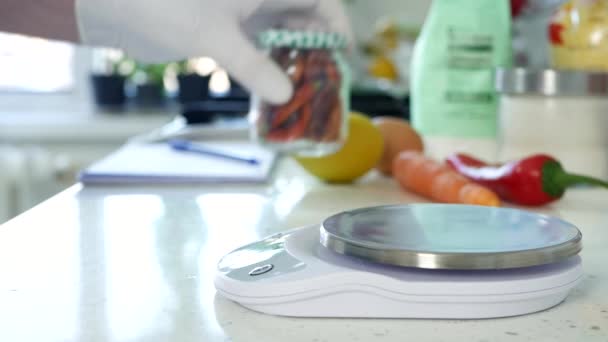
pixel 409 261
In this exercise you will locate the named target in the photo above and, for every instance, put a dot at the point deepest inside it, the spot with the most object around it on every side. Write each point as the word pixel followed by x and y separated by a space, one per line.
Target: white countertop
pixel 137 264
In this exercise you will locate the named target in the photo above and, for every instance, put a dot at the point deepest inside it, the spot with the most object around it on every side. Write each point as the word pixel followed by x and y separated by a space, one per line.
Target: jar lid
pixel 302 39
pixel 550 82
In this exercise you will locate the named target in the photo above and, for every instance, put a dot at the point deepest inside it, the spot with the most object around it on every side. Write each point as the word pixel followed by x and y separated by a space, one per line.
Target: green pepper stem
pixel 566 179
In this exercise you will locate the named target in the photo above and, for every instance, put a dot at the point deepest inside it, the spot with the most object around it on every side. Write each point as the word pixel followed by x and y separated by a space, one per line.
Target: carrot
pixel 299 128
pixel 281 135
pixel 332 72
pixel 431 179
pixel 332 130
pixel 315 63
pixel 302 95
pixel 326 98
pixel 296 71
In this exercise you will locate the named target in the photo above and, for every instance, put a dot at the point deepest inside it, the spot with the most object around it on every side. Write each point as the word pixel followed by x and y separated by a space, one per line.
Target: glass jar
pixel 560 113
pixel 314 121
pixel 578 33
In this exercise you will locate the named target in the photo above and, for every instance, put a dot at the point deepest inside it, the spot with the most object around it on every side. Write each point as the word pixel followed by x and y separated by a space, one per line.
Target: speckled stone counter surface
pixel 137 264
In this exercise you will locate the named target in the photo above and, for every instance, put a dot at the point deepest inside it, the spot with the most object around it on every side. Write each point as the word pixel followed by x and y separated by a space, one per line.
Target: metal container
pixel 561 113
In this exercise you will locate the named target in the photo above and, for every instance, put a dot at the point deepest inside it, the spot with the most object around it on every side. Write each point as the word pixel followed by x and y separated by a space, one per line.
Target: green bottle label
pixel 452 89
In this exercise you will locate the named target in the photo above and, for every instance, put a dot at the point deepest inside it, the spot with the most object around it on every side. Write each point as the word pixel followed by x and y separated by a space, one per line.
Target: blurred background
pixel 63 107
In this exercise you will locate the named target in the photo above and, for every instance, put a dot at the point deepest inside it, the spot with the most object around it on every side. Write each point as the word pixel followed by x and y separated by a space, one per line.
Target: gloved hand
pixel 157 31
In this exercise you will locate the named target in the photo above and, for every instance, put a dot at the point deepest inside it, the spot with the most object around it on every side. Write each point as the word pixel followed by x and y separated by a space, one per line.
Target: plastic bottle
pixel 454 102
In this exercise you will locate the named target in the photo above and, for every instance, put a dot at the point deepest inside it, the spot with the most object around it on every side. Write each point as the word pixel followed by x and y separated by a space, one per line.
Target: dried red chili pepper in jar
pixel 314 120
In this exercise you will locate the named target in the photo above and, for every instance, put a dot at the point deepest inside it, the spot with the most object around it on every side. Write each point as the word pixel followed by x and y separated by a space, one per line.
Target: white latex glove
pixel 156 31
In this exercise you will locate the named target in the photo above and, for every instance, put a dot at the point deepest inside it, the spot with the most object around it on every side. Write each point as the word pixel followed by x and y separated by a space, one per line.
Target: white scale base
pixel 292 274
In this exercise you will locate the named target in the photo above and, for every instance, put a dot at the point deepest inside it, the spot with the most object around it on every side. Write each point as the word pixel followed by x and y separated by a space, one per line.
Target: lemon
pixel 360 153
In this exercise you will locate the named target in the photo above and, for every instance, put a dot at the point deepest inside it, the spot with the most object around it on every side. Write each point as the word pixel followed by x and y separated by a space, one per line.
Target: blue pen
pixel 186 146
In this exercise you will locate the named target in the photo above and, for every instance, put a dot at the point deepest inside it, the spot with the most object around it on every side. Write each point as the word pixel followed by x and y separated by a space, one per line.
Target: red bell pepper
pixel 533 181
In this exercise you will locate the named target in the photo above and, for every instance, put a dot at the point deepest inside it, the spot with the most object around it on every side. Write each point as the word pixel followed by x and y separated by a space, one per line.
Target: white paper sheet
pixel 159 163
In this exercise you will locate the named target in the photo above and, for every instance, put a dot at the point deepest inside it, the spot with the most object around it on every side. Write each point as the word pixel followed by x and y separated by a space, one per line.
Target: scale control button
pixel 261 270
